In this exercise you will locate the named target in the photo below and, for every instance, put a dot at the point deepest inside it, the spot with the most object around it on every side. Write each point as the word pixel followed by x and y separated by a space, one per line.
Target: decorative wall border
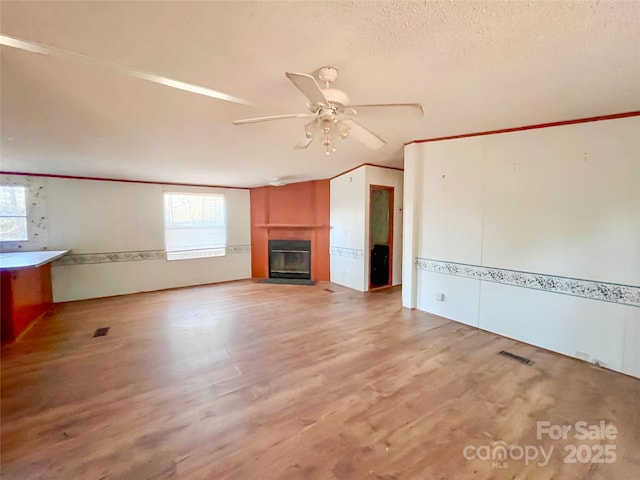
pixel 604 291
pixel 232 249
pixel 110 257
pixel 132 256
pixel 346 252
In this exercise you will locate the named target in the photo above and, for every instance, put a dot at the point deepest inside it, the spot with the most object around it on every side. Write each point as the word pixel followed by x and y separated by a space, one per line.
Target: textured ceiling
pixel 473 65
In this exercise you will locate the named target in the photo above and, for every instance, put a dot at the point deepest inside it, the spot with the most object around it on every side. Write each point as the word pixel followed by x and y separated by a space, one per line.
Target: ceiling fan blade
pixel 309 87
pixel 272 117
pixel 302 144
pixel 360 133
pixel 62 54
pixel 404 110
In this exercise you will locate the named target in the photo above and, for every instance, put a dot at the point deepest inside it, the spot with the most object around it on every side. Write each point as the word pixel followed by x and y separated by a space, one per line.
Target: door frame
pixel 391 191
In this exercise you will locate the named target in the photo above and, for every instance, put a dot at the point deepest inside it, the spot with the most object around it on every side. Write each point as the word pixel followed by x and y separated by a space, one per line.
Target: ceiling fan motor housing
pixel 337 98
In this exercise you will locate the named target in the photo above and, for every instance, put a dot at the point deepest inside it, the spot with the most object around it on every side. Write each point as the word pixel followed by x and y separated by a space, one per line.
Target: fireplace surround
pixel 290 259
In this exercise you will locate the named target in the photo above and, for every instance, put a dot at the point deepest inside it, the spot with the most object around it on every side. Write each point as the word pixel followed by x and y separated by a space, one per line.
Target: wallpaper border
pixel 131 256
pixel 346 252
pixel 595 290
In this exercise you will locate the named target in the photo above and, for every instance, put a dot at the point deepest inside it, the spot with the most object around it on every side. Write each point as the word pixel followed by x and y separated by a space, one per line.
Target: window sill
pixel 193 254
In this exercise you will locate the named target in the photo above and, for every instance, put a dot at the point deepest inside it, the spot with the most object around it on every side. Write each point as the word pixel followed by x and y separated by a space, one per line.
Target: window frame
pixel 194 253
pixel 25 216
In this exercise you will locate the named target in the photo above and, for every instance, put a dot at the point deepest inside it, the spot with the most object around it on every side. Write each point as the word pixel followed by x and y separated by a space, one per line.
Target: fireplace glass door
pixel 290 259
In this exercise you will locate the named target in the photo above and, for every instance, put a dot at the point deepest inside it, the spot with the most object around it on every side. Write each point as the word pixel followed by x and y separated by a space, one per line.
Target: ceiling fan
pixel 333 117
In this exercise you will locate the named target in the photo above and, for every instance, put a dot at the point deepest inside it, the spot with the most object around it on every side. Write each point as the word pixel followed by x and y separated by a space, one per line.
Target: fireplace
pixel 290 259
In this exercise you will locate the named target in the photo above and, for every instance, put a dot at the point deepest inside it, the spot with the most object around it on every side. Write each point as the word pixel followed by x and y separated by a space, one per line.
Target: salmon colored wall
pixel 298 211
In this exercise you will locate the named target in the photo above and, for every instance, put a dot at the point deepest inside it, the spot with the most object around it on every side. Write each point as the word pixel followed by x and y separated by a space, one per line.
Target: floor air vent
pixel 513 356
pixel 101 332
pixel 328 290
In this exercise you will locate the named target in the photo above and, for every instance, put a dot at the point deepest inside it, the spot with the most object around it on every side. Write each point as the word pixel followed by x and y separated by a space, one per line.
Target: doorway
pixel 380 236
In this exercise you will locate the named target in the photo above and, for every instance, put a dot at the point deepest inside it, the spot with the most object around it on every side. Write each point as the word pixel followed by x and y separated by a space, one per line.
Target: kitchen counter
pixel 25 287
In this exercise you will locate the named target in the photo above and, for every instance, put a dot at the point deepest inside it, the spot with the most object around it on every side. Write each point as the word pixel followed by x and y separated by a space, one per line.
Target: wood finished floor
pixel 255 381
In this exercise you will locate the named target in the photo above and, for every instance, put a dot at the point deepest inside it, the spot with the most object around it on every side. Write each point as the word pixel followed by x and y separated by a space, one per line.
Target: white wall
pixel 348 229
pixel 350 249
pixel 125 221
pixel 562 202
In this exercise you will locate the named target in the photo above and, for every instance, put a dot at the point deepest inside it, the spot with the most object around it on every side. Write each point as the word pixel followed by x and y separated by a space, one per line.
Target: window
pixel 13 213
pixel 195 225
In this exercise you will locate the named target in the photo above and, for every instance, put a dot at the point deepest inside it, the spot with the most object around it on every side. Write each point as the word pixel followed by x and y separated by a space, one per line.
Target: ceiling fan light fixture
pixel 343 130
pixel 326 125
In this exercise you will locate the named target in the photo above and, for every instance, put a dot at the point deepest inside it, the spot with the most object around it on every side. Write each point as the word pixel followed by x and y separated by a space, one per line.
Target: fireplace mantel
pixel 297 211
pixel 289 225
